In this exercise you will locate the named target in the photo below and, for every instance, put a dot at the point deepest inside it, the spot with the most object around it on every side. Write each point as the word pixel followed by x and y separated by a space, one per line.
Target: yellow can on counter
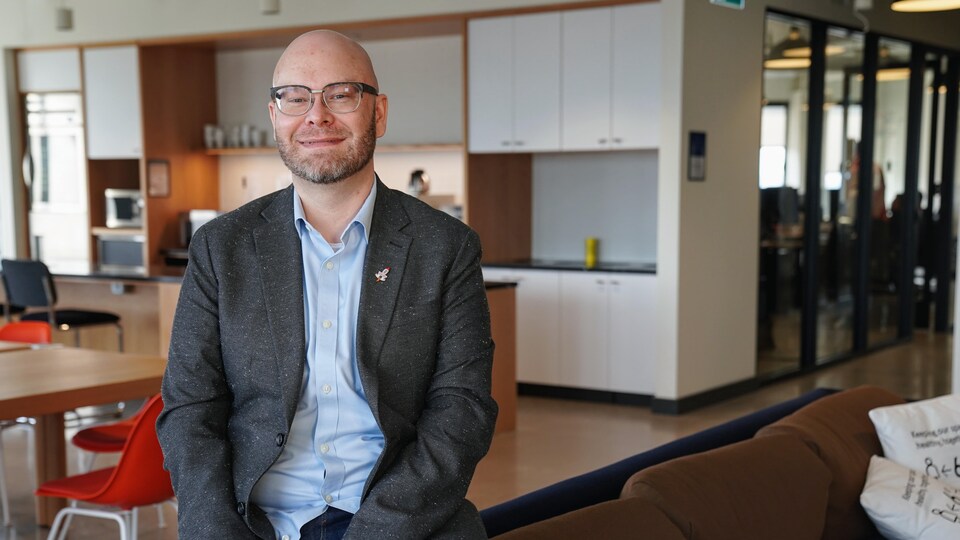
pixel 590 252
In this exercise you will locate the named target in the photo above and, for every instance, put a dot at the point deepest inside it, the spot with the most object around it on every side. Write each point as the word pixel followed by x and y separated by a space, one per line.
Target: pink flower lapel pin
pixel 382 275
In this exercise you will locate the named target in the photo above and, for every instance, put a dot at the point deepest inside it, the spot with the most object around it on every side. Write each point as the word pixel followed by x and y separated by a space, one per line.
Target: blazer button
pixel 241 508
pixel 280 439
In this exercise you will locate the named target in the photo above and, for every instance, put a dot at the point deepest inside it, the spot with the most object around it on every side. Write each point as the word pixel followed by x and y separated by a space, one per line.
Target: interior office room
pixel 691 210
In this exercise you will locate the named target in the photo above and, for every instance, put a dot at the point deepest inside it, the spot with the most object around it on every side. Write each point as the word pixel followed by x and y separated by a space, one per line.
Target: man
pixel 330 363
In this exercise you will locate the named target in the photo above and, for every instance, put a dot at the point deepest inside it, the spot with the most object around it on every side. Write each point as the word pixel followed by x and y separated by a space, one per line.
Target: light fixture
pixel 63 16
pixel 779 57
pixel 269 7
pixel 915 6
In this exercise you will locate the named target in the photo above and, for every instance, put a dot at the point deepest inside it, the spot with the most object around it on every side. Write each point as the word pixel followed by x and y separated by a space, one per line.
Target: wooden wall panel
pixel 499 204
pixel 179 90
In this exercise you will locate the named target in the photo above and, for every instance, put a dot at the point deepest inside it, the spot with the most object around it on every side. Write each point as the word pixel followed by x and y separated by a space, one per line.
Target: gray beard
pixel 340 167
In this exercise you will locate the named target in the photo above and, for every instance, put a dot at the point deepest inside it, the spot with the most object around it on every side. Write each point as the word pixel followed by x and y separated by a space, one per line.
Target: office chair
pixel 24 332
pixel 138 479
pixel 29 283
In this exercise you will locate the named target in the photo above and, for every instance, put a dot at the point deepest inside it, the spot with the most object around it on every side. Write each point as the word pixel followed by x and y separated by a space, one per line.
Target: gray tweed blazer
pixel 237 356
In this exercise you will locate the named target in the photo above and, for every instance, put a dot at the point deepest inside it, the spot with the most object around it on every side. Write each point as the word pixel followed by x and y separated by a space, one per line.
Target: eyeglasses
pixel 339 97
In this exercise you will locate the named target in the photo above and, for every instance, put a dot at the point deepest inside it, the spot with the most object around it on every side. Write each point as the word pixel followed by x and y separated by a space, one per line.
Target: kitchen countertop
pixel 165 274
pixel 552 264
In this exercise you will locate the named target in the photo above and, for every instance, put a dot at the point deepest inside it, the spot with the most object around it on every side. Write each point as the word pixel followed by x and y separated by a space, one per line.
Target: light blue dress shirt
pixel 334 441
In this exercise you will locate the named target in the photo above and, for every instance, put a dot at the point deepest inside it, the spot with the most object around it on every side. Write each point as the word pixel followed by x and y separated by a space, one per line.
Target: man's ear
pixel 380 109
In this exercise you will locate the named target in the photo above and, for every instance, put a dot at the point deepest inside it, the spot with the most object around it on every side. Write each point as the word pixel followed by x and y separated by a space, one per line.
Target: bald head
pixel 328 51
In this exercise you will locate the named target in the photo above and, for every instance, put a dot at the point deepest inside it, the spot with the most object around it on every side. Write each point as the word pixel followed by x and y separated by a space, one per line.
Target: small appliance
pixel 124 208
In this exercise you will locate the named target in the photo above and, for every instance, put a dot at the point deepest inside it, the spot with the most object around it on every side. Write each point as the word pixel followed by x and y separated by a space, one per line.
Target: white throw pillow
pixel 907 505
pixel 924 435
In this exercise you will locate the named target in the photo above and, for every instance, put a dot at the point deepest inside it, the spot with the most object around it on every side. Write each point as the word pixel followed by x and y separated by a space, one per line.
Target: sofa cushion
pixel 619 519
pixel 839 430
pixel 924 435
pixel 908 505
pixel 771 487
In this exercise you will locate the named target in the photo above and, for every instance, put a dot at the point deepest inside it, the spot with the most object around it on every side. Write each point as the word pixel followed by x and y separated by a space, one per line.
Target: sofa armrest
pixel 604 484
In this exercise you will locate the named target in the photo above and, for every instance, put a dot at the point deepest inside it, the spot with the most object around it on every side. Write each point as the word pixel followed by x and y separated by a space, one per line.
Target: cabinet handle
pixel 602 141
pixel 518 143
pixel 600 282
pixel 614 282
pixel 617 140
pixel 505 143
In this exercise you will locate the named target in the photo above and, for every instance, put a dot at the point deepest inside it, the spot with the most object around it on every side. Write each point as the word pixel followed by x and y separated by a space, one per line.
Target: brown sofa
pixel 799 477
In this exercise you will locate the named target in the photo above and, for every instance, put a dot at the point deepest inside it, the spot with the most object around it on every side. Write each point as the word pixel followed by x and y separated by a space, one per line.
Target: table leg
pixel 51 448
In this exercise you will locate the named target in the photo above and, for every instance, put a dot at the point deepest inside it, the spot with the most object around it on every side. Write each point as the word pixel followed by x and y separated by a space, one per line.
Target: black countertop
pixel 160 274
pixel 551 264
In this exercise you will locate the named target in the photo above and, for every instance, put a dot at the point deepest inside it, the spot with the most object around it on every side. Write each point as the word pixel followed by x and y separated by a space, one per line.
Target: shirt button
pixel 280 439
pixel 328 498
pixel 324 448
pixel 327 324
pixel 326 388
pixel 329 265
pixel 241 508
pixel 285 537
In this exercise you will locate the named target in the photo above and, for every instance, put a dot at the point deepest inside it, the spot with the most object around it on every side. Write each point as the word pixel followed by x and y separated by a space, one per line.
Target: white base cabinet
pixel 538 322
pixel 592 330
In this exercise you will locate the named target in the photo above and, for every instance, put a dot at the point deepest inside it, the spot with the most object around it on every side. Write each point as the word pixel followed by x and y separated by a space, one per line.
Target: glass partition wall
pixel 843 265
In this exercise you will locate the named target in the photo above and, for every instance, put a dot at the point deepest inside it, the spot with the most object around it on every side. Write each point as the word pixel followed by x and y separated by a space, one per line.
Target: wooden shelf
pixel 241 151
pixel 411 148
pixel 395 148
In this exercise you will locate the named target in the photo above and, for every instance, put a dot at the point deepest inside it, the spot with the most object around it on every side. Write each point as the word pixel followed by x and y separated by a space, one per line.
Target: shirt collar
pixel 363 218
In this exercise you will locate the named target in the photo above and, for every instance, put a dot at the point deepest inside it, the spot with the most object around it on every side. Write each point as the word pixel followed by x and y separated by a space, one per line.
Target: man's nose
pixel 319 113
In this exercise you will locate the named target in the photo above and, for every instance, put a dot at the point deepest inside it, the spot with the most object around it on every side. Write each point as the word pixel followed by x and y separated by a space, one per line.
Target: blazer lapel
pixel 387 249
pixel 281 278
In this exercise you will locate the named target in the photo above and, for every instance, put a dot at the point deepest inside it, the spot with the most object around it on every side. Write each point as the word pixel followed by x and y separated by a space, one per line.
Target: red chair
pixel 24 332
pixel 27 332
pixel 138 479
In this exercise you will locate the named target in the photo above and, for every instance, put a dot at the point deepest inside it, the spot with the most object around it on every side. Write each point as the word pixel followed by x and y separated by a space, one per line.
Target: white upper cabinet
pixel 514 83
pixel 54 70
pixel 635 112
pixel 611 78
pixel 111 90
pixel 586 79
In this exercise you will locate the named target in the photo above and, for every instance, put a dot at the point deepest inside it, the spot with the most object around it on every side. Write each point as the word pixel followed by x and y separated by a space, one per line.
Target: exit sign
pixel 735 4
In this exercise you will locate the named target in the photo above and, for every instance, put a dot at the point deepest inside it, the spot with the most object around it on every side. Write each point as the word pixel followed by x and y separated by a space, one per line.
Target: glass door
pixel 888 178
pixel 783 159
pixel 936 232
pixel 842 119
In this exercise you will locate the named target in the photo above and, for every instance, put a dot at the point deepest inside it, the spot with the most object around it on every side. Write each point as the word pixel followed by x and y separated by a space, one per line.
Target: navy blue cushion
pixel 604 484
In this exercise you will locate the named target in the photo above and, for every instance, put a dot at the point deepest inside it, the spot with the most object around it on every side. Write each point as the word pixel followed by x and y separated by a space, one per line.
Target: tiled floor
pixel 556 439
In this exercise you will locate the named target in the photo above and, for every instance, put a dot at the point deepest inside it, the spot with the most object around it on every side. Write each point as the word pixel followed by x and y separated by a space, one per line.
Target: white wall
pixel 609 195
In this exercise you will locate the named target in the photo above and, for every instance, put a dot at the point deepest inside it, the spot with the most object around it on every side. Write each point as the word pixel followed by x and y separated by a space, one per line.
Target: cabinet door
pixel 632 333
pixel 55 70
pixel 536 79
pixel 111 90
pixel 635 113
pixel 490 85
pixel 584 350
pixel 538 322
pixel 586 79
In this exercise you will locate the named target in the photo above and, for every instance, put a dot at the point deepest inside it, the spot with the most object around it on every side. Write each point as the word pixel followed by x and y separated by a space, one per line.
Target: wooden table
pixel 7 346
pixel 46 382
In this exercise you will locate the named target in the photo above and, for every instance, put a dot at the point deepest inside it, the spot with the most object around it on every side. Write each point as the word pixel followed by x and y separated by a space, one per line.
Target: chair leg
pixel 64 516
pixel 4 499
pixel 161 522
pixel 134 522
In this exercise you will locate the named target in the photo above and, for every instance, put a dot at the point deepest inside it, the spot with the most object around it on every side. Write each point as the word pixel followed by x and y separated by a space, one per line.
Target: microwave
pixel 124 208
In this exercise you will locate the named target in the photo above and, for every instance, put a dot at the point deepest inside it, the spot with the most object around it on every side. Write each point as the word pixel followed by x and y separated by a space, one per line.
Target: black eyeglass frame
pixel 364 89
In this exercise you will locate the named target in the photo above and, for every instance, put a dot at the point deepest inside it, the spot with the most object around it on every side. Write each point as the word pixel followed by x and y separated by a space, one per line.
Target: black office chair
pixel 29 283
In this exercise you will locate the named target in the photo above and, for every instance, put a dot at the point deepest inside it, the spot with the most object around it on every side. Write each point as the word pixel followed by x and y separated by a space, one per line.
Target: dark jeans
pixel 330 525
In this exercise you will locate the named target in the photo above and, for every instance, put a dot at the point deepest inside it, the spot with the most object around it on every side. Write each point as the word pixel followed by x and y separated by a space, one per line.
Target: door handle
pixel 28 171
